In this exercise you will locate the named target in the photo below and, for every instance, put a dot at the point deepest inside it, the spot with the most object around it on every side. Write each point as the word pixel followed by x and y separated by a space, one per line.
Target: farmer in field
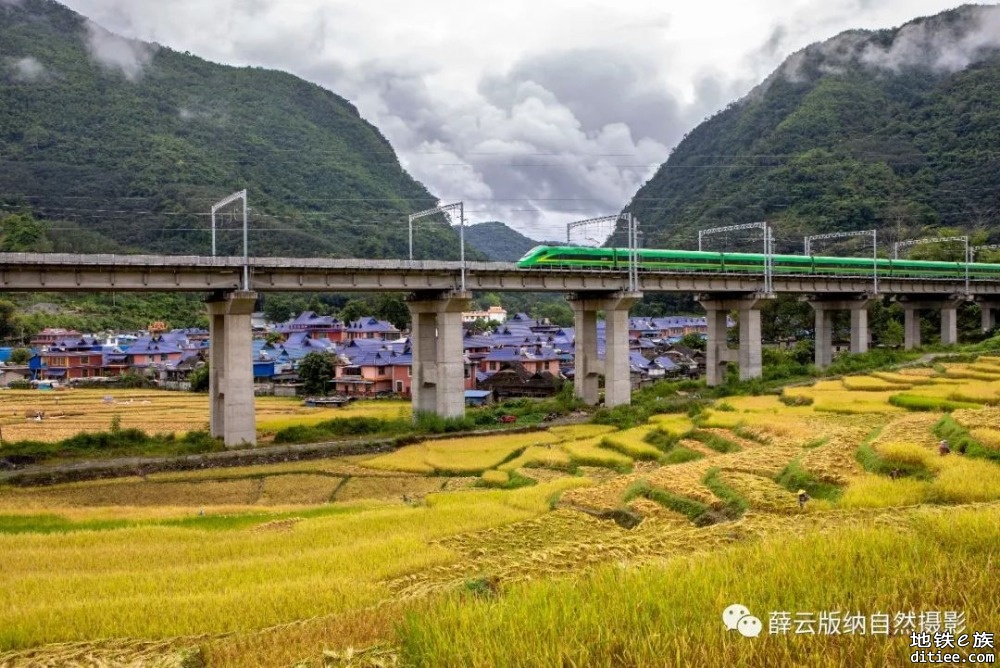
pixel 803 497
pixel 944 448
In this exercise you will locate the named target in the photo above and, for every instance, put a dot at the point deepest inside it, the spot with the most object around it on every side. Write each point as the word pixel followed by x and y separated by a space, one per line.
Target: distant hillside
pixel 897 130
pixel 125 145
pixel 498 242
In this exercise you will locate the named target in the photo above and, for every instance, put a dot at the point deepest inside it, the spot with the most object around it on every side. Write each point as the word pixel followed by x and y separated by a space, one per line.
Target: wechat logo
pixel 738 617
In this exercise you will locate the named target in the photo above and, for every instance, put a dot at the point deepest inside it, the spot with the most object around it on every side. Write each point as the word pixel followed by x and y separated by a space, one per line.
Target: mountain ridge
pixel 120 145
pixel 886 129
pixel 498 241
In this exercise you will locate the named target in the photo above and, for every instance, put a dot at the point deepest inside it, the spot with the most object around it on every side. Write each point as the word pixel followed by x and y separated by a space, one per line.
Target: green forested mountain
pixel 497 241
pixel 121 145
pixel 897 130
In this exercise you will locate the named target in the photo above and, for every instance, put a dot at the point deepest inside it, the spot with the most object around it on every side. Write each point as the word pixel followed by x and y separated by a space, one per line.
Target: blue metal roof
pixel 477 394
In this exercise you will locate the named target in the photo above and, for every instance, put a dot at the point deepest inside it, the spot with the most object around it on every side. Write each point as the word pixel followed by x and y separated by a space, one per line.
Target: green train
pixel 654 259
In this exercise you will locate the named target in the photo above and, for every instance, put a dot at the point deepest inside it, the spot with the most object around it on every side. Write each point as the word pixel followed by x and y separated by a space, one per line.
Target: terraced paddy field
pixel 68 412
pixel 575 545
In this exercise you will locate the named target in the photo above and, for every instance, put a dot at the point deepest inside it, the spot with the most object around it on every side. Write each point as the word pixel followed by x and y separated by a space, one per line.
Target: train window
pixel 580 258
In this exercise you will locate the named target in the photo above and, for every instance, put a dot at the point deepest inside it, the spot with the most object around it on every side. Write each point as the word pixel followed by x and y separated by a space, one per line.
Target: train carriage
pixel 655 259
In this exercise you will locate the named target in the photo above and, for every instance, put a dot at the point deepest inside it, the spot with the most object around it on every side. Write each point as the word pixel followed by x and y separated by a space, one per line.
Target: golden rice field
pixel 424 557
pixel 472 454
pixel 71 411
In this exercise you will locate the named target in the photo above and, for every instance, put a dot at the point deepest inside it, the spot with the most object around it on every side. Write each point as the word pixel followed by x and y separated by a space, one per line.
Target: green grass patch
pixel 877 358
pixel 423 423
pixel 661 439
pixel 873 462
pixel 46 523
pixel 961 441
pixel 733 503
pixel 679 454
pixel 49 523
pixel 512 480
pixel 750 435
pixel 636 453
pixel 795 477
pixel 714 441
pixel 696 511
pixel 113 443
pixel 795 400
pixel 915 402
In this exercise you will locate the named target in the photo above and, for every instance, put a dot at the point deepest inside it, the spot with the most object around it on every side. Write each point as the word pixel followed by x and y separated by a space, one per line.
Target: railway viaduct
pixel 436 301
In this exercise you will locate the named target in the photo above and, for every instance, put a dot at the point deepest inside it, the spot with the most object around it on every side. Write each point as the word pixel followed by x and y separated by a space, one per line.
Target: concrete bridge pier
pixel 615 366
pixel 825 306
pixel 911 319
pixel 717 351
pixel 230 379
pixel 438 383
pixel 988 312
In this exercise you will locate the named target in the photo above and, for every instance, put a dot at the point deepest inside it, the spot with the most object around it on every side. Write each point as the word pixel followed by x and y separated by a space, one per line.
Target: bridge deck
pixel 63 272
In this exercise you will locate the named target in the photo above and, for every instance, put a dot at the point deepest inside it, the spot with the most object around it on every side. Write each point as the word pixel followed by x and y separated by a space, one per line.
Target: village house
pixel 534 360
pixel 514 381
pixel 51 335
pixel 367 373
pixel 371 357
pixel 316 326
pixel 371 328
pixel 492 314
pixel 72 358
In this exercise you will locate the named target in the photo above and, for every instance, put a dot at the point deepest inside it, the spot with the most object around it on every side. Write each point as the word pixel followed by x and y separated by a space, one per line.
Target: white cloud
pixel 28 70
pixel 535 113
pixel 130 57
pixel 948 47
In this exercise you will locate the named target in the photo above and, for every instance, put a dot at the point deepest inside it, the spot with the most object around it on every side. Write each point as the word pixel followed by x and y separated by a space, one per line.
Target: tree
pixel 315 372
pixel 21 233
pixel 693 340
pixel 199 379
pixel 392 307
pixel 785 318
pixel 354 309
pixel 20 356
pixel 892 334
pixel 8 319
pixel 277 309
pixel 489 299
pixel 555 312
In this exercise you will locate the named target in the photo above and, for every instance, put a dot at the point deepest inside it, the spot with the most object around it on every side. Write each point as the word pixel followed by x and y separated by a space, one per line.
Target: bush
pixel 134 381
pixel 199 379
pixel 623 417
pixel 132 442
pixel 432 423
pixel 423 423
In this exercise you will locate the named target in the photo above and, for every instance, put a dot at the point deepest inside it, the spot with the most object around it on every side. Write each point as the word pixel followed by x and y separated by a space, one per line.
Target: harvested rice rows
pixel 68 412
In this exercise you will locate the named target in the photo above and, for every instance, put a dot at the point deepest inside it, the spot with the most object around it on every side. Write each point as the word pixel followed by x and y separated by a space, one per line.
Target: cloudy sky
pixel 535 113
